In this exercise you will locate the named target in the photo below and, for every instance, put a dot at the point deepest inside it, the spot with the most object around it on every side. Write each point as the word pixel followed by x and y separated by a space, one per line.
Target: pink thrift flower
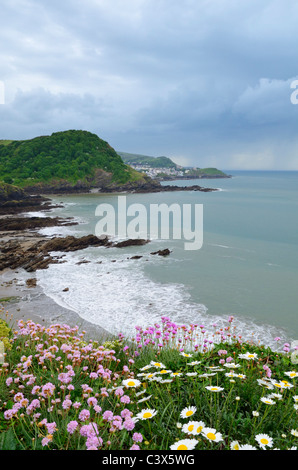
pixel 108 415
pixel 84 415
pixel 51 427
pixel 66 404
pixel 129 424
pixel 72 426
pixel 137 437
pixel 46 441
pixel 92 401
pixel 93 442
pixel 125 399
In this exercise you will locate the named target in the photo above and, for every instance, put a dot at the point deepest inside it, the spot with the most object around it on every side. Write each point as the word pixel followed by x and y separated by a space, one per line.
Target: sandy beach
pixel 21 302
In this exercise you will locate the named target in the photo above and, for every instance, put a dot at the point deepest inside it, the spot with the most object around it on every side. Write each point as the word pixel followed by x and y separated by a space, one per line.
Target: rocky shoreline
pixel 23 251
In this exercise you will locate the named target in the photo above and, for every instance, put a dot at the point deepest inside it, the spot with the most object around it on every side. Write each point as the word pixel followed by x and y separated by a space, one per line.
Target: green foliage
pixel 71 155
pixel 5 334
pixel 153 162
pixel 65 375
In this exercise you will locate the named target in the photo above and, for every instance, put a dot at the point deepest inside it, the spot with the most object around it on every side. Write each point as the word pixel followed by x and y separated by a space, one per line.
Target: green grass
pixel 126 377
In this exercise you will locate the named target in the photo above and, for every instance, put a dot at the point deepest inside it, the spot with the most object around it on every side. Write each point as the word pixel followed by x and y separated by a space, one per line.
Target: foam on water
pixel 112 291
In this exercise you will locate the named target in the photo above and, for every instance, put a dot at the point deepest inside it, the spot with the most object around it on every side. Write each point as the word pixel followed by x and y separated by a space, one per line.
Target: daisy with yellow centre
pixel 146 367
pixel 214 388
pixel 235 445
pixel 146 414
pixel 287 384
pixel 150 376
pixel 264 440
pixel 176 374
pixel 185 354
pixel 268 401
pixel 184 444
pixel 212 435
pixel 188 412
pixel 193 427
pixel 264 383
pixel 292 374
pixel 131 383
pixel 159 365
pixel 232 365
pixel 249 356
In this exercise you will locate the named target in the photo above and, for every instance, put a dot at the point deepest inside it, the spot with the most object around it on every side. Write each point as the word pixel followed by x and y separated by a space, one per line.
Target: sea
pixel 246 266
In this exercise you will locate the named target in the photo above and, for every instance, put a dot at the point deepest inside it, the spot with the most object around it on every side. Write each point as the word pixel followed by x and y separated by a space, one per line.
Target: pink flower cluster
pixel 65 359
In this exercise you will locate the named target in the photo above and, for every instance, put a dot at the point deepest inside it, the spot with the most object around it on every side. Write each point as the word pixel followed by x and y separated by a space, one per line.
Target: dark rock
pixel 31 282
pixel 10 224
pixel 165 252
pixel 131 242
pixel 71 243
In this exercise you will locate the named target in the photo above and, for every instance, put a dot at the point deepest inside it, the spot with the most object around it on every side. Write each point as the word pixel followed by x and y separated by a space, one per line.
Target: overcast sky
pixel 205 82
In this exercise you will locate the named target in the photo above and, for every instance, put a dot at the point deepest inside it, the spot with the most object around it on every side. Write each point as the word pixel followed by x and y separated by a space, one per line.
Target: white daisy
pixel 144 399
pixel 275 395
pixel 247 447
pixel 267 400
pixel 264 440
pixel 231 365
pixel 235 445
pixel 249 356
pixel 188 412
pixel 230 374
pixel 193 427
pixel 214 388
pixel 146 414
pixel 185 354
pixel 184 444
pixel 131 383
pixel 265 384
pixel 146 367
pixel 292 374
pixel 159 365
pixel 212 435
pixel 241 376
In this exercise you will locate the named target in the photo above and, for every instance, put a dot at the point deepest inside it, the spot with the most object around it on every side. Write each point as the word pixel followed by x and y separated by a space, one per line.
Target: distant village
pixel 159 172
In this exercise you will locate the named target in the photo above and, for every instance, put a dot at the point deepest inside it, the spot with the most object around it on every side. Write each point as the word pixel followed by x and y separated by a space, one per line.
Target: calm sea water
pixel 247 266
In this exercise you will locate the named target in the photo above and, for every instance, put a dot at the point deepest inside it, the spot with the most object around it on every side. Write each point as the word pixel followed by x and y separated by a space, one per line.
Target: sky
pixel 204 82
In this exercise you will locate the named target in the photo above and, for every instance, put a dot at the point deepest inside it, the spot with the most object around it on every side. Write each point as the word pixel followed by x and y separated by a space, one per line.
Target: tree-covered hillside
pixel 70 156
pixel 153 162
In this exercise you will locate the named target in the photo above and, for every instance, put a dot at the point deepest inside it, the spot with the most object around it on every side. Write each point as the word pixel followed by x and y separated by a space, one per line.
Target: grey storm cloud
pixel 205 82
